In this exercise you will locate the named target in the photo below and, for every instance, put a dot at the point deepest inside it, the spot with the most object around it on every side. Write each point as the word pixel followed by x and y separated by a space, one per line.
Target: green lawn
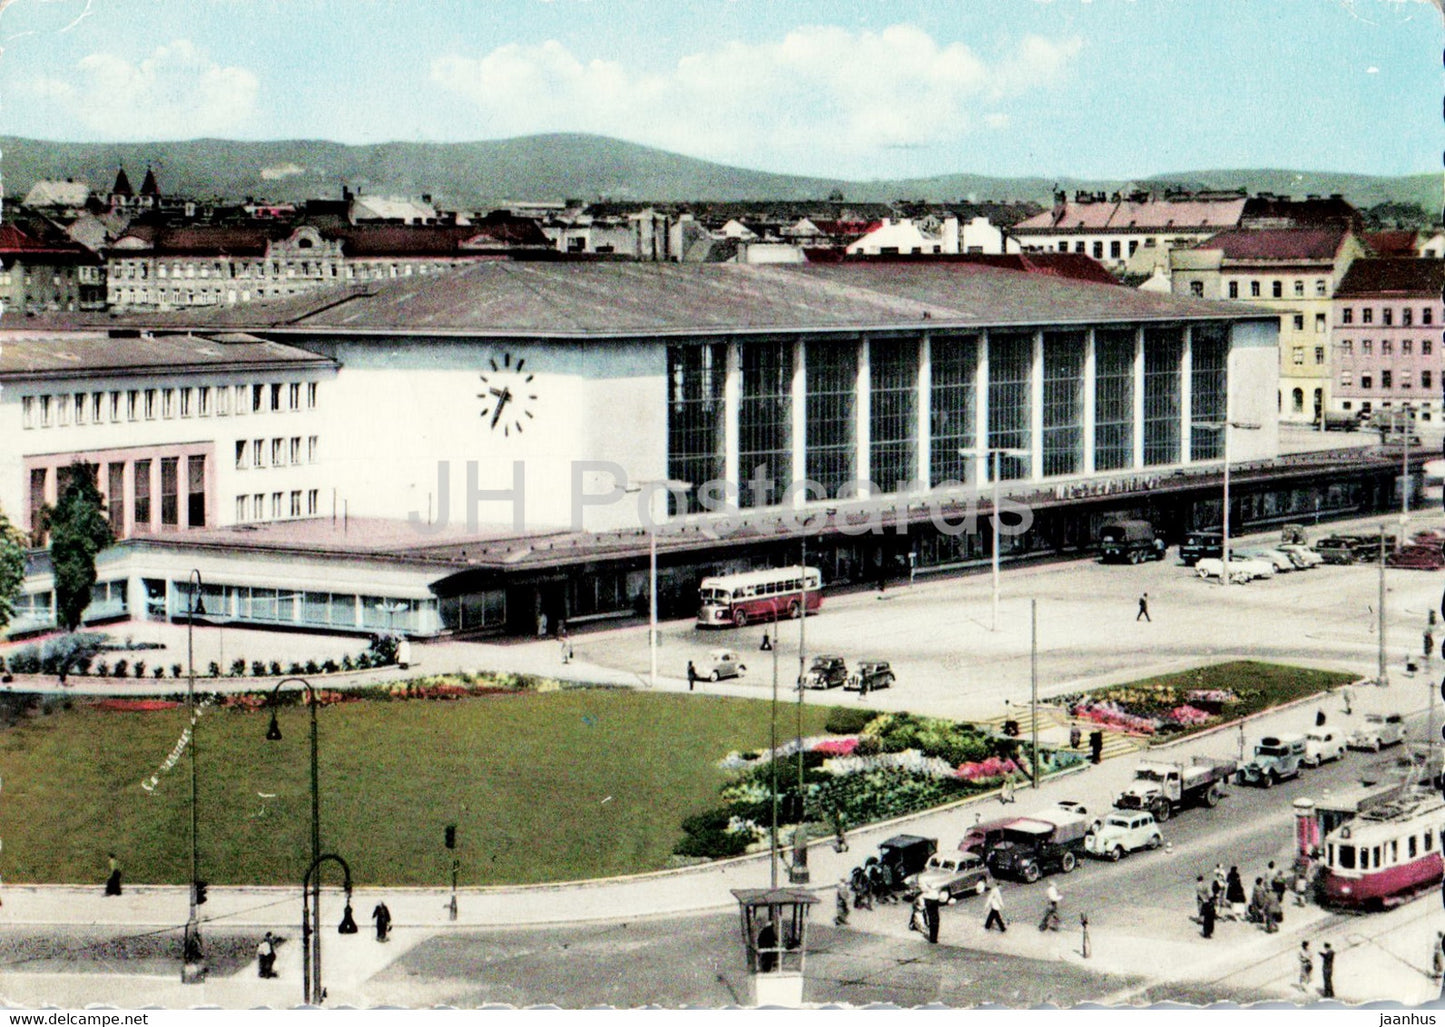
pixel 542 787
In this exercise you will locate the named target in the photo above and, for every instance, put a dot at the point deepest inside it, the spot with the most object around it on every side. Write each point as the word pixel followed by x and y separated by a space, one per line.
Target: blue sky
pixel 857 88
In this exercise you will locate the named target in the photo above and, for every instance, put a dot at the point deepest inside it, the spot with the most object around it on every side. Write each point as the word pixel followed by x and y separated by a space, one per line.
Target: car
pixel 1077 809
pixel 825 672
pixel 1301 554
pixel 1281 562
pixel 1198 544
pixel 956 875
pixel 983 836
pixel 1321 745
pixel 723 663
pixel 1241 572
pixel 871 675
pixel 1339 549
pixel 1123 832
pixel 1378 731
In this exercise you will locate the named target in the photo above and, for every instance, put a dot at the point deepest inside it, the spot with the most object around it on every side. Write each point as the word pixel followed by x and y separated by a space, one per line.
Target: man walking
pixel 995 910
pixel 691 675
pixel 1143 609
pixel 382 916
pixel 931 901
pixel 1050 921
pixel 840 911
pixel 112 883
pixel 1327 971
pixel 1207 916
pixel 1306 966
pixel 266 956
pixel 1203 895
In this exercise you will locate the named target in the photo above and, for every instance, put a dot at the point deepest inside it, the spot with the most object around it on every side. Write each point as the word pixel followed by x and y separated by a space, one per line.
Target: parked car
pixel 1321 745
pixel 1276 759
pixel 956 875
pixel 1338 549
pixel 1240 571
pixel 723 663
pixel 1123 832
pixel 1199 544
pixel 1281 562
pixel 1378 731
pixel 872 675
pixel 981 837
pixel 1417 556
pixel 826 672
pixel 1301 554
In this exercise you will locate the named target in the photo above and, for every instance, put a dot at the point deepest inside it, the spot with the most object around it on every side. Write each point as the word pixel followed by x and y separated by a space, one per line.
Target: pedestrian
pixel 112 883
pixel 995 910
pixel 1437 955
pixel 1259 903
pixel 691 675
pixel 1143 609
pixel 541 625
pixel 1306 966
pixel 917 915
pixel 1096 746
pixel 1327 971
pixel 767 947
pixel 565 646
pixel 382 916
pixel 875 882
pixel 840 830
pixel 1219 881
pixel 931 902
pixel 1234 893
pixel 1006 790
pixel 1050 921
pixel 1075 736
pixel 862 895
pixel 1320 717
pixel 840 909
pixel 1278 881
pixel 1203 894
pixel 767 645
pixel 1347 695
pixel 1207 917
pixel 266 956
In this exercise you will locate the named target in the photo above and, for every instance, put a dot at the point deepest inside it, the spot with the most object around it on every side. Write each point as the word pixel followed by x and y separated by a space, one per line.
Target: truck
pixel 1163 787
pixel 1276 758
pixel 1342 420
pixel 1032 846
pixel 1130 541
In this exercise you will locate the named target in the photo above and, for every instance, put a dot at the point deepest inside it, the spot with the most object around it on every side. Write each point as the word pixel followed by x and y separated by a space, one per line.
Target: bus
pixel 739 599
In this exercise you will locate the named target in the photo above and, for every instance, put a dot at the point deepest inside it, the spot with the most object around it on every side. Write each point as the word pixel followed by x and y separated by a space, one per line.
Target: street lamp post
pixel 671 485
pixel 1223 428
pixel 995 452
pixel 193 969
pixel 310 938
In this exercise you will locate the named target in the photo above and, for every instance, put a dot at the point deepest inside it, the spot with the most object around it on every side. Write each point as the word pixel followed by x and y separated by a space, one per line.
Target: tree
pixel 78 531
pixel 12 568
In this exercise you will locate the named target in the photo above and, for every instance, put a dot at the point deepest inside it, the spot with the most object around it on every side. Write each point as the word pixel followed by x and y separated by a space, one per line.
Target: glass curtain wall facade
pixel 1208 385
pixel 893 413
pixel 1113 399
pixel 1163 351
pixel 831 445
pixel 695 421
pixel 1063 403
pixel 1010 359
pixel 764 421
pixel 954 405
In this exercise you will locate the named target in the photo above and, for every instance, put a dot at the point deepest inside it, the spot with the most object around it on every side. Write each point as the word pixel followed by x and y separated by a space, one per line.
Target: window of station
pixel 954 403
pixel 831 379
pixel 1063 403
pixel 1163 351
pixel 1010 362
pixel 1113 399
pixel 695 422
pixel 764 421
pixel 141 507
pixel 1208 387
pixel 196 490
pixel 893 413
pixel 115 497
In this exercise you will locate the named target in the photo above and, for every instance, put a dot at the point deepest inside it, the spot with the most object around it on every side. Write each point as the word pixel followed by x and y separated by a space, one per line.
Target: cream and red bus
pixel 737 599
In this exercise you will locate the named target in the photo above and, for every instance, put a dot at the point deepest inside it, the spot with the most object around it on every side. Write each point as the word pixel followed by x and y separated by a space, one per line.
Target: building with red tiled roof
pixel 1292 270
pixel 43 275
pixel 1387 318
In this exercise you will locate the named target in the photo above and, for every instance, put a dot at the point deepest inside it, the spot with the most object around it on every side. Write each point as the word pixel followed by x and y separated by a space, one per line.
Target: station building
pixel 488 442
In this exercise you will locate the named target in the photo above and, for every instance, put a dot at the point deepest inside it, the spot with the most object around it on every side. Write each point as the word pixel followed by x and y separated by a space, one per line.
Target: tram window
pixel 1394 850
pixel 1412 847
pixel 1364 858
pixel 1347 857
pixel 1429 839
pixel 1375 854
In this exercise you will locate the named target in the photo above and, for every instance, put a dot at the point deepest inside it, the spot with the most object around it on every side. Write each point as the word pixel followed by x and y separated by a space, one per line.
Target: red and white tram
pixel 1386 855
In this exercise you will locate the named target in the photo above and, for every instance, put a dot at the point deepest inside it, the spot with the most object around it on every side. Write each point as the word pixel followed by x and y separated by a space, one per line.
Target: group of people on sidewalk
pixel 1222 897
pixel 924 911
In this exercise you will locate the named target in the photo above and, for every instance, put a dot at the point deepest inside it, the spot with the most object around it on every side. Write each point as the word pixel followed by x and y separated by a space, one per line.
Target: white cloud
pixel 176 92
pixel 821 90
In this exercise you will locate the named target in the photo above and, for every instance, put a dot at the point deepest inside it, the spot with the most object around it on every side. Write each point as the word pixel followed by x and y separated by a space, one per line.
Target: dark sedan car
pixel 826 672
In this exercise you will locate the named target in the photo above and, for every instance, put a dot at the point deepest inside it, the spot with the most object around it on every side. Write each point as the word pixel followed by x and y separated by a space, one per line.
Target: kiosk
pixel 774 925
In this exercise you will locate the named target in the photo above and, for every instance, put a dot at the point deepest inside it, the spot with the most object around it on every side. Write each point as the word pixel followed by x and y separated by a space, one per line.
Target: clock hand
pixel 503 397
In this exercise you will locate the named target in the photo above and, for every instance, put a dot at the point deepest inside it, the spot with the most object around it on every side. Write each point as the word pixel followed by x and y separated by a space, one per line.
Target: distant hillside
pixel 553 167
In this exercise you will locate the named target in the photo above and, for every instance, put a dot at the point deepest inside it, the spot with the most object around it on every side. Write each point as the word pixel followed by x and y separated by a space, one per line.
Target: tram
pixel 1386 855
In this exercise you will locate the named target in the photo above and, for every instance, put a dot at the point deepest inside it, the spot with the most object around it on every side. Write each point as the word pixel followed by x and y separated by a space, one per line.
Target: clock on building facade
pixel 506 395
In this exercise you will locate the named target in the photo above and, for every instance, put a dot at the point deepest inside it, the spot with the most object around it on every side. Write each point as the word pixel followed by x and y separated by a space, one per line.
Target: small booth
pixel 774 926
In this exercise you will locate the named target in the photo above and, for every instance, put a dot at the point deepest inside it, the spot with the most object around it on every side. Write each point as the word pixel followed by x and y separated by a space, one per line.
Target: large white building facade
pixel 486 440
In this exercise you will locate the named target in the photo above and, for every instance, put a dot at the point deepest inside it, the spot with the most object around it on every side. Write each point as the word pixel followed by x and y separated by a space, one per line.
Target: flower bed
pixel 898 763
